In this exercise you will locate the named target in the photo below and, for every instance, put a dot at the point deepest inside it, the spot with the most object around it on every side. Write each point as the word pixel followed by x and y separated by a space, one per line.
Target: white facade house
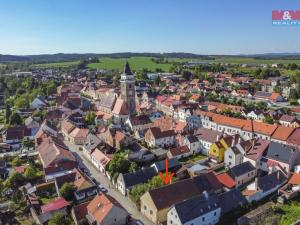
pixel 258 116
pixel 201 210
pixel 192 142
pixel 234 156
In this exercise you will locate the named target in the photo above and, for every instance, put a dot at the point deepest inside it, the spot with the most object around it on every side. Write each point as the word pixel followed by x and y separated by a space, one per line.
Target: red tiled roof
pixel 282 133
pixel 179 150
pixel 51 150
pixel 80 211
pixel 21 169
pixel 260 127
pixel 295 179
pixel 100 206
pixel 120 107
pixel 294 138
pixel 226 180
pixel 79 133
pixel 57 204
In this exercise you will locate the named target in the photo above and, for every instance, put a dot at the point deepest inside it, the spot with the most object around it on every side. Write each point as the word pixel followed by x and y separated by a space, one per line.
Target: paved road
pixel 125 202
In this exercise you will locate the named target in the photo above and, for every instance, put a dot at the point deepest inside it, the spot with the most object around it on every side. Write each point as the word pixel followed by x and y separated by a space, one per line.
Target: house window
pixel 215 213
pixel 230 157
pixel 151 212
pixel 145 207
pixel 203 218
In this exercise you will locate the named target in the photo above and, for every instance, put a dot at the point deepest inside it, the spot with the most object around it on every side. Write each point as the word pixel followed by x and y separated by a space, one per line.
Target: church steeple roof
pixel 127 69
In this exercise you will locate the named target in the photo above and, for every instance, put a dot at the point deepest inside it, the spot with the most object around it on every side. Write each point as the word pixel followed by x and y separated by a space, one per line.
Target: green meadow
pixel 136 63
pixel 55 65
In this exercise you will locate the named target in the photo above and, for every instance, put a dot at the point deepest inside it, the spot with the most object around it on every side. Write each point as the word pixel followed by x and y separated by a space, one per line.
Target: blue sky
pixel 105 26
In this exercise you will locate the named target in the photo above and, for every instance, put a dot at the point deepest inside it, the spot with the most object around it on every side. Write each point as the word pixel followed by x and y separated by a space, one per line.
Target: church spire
pixel 127 69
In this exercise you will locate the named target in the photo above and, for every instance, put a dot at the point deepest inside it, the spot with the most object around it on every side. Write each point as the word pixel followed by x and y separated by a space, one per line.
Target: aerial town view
pixel 138 112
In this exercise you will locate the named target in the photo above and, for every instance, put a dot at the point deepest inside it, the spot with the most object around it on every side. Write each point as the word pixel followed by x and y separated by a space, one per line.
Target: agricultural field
pixel 249 70
pixel 54 65
pixel 236 60
pixel 136 63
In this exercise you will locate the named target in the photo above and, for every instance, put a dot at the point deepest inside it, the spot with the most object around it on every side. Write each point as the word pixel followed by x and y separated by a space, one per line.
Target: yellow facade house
pixel 217 149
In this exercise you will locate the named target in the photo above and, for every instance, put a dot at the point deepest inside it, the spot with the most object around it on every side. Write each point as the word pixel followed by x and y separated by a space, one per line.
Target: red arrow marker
pixel 167 178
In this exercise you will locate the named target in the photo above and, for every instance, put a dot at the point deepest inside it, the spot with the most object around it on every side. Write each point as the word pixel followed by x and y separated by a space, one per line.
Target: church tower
pixel 128 89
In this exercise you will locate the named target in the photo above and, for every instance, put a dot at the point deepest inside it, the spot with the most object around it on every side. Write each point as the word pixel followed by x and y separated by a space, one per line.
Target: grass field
pixel 136 63
pixel 55 65
pixel 237 60
pixel 248 60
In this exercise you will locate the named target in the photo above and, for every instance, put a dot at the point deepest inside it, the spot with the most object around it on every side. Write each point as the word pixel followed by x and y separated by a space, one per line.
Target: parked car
pixel 137 222
pixel 102 189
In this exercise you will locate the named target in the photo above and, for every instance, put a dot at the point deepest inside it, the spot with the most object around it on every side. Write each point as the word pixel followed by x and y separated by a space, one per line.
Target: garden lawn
pixel 47 199
pixel 291 213
pixel 192 158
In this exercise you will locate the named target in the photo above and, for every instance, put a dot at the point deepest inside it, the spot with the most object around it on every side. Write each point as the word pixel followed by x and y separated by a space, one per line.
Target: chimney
pixel 256 183
pixel 218 138
pixel 205 193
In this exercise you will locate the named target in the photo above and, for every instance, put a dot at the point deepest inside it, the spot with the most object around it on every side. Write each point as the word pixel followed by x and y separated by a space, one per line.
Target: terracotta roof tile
pixel 295 179
pixel 100 206
pixel 282 133
pixel 226 180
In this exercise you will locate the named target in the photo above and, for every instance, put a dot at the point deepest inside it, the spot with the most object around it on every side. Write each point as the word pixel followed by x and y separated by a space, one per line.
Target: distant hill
pixel 72 57
pixel 48 58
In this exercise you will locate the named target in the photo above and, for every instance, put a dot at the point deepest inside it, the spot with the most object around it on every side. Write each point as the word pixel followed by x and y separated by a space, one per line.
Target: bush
pixel 67 191
pixel 17 161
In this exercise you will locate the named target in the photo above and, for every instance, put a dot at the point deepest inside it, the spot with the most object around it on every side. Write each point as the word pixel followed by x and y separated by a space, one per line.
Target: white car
pixel 102 189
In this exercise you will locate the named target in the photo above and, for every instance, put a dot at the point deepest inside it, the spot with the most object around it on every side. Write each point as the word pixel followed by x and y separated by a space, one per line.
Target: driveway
pixel 103 180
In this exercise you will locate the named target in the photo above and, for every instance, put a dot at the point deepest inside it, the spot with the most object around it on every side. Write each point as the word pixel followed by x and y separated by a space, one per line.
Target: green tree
pixel 261 105
pixel 17 161
pixel 277 89
pixel 30 173
pixel 90 118
pixel 137 191
pixel 67 191
pixel 27 143
pixel 15 119
pixel 21 102
pixel 7 113
pixel 118 164
pixel 293 101
pixel 15 180
pixel 157 80
pixel 133 167
pixel 269 119
pixel 60 219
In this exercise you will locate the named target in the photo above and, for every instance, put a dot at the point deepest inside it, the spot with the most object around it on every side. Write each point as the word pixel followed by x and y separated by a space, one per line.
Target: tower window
pixel 129 85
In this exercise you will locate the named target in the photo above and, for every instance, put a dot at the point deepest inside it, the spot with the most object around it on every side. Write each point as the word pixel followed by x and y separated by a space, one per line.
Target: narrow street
pixel 124 201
